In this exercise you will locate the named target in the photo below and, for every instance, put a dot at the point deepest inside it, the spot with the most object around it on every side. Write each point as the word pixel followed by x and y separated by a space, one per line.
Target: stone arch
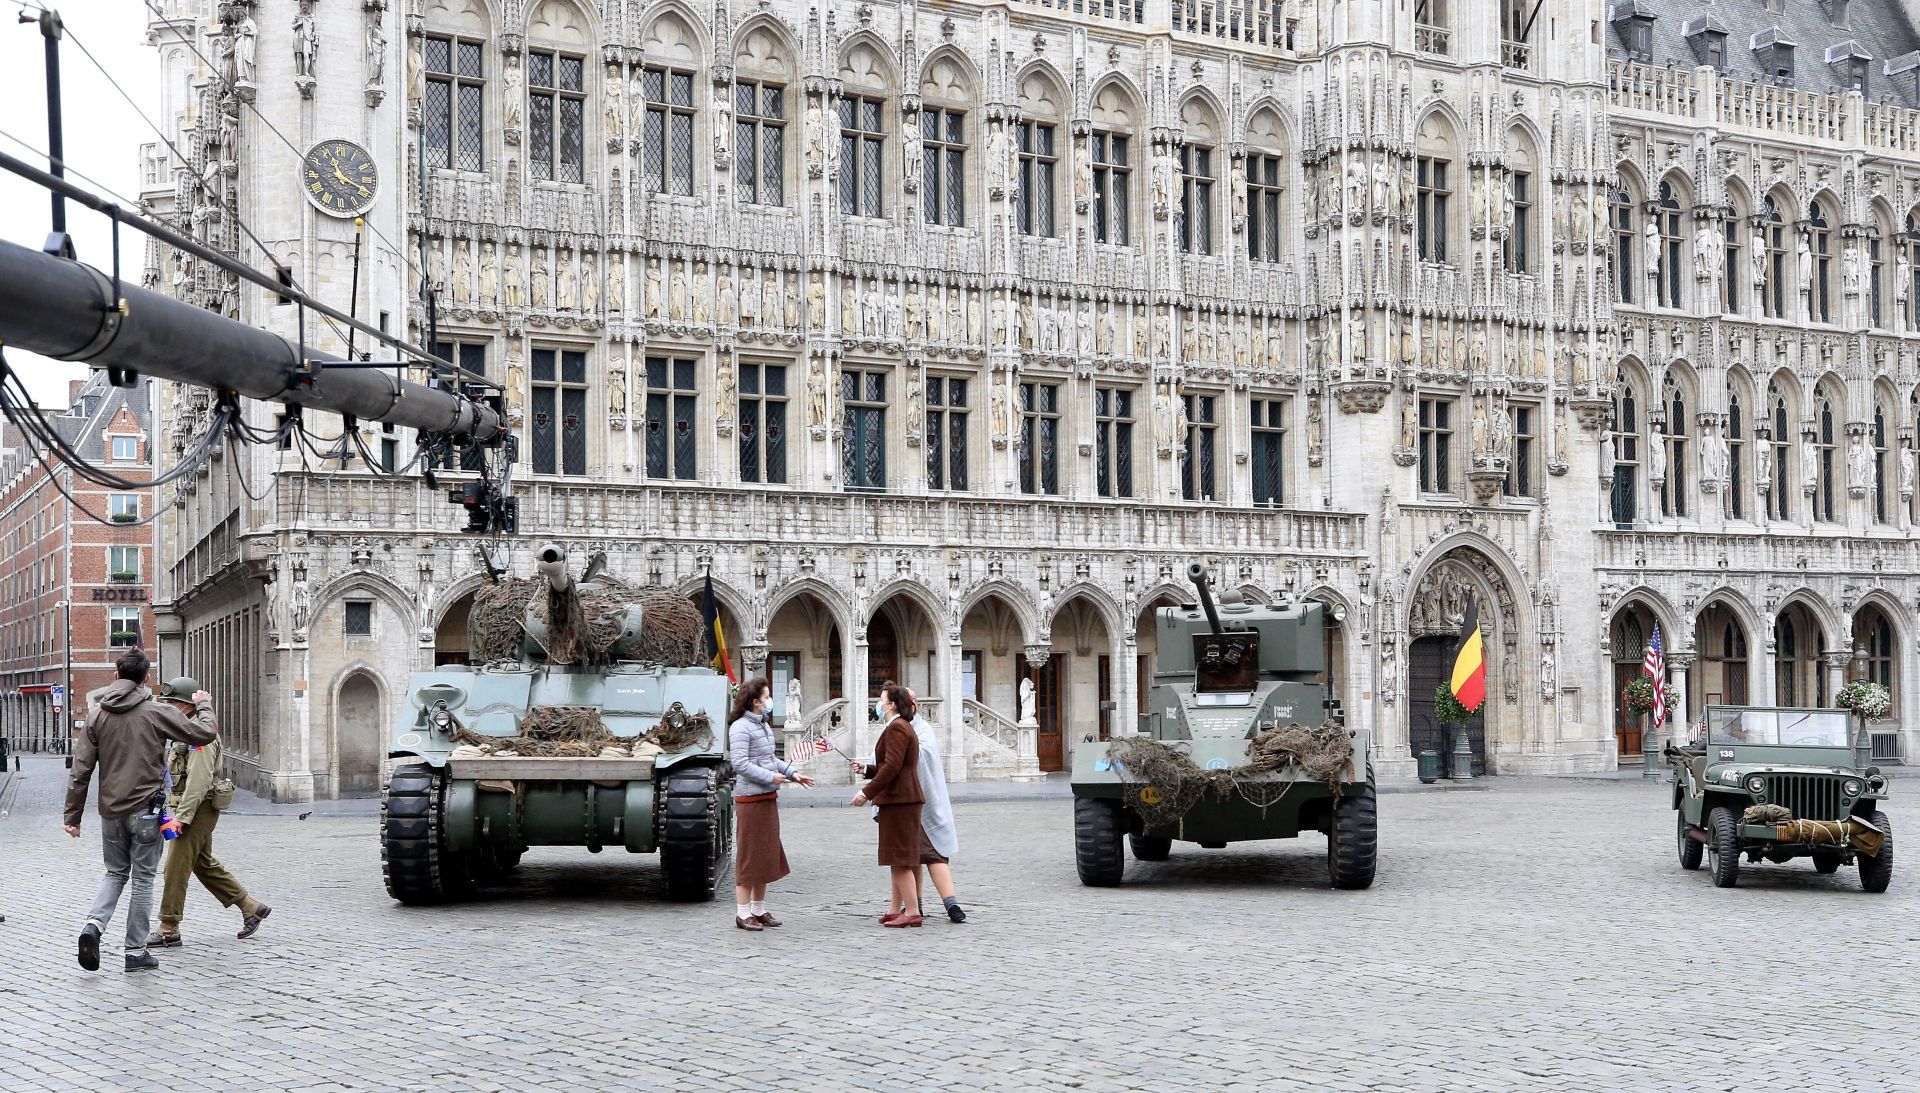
pixel 380 586
pixel 358 724
pixel 564 23
pixel 866 64
pixel 1799 658
pixel 474 17
pixel 1822 612
pixel 1439 127
pixel 829 596
pixel 1653 601
pixel 1042 92
pixel 1269 127
pixel 1116 105
pixel 1467 567
pixel 447 618
pixel 737 603
pixel 1883 645
pixel 949 76
pixel 914 589
pixel 1723 636
pixel 1008 593
pixel 1201 117
pixel 1102 602
pixel 764 49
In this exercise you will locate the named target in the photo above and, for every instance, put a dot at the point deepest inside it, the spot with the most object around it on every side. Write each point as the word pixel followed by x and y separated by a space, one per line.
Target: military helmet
pixel 180 688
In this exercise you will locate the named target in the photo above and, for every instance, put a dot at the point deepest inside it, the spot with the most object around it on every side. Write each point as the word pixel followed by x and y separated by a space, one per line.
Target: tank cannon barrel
pixel 1197 573
pixel 553 566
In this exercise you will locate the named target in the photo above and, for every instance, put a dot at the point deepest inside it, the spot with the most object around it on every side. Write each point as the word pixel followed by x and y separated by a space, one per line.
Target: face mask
pixel 877 715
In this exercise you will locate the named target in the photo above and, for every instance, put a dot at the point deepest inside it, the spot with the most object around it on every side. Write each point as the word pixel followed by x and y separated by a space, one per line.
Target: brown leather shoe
pixel 250 923
pixel 766 919
pixel 748 923
pixel 900 921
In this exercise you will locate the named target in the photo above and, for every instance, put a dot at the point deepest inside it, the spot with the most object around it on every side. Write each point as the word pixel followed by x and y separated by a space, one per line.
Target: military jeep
pixel 1779 784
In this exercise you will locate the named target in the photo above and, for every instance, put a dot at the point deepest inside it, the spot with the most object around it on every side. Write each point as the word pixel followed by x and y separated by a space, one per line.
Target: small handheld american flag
pixel 821 745
pixel 1656 666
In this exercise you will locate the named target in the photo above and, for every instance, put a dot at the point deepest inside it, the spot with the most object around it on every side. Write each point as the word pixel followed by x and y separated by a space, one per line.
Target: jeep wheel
pixel 1353 846
pixel 1877 872
pixel 1825 861
pixel 1723 828
pixel 1149 849
pixel 1691 849
pixel 1098 853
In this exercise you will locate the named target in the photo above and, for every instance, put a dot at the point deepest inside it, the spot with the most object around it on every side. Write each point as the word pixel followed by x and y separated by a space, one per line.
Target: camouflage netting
pixel 577 732
pixel 672 632
pixel 1163 783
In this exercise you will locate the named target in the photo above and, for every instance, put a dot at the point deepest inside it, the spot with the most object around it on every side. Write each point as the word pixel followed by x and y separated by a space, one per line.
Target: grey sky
pixel 103 138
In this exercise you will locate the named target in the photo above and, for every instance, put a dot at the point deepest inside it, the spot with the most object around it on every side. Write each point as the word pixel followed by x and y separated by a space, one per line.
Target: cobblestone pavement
pixel 1534 936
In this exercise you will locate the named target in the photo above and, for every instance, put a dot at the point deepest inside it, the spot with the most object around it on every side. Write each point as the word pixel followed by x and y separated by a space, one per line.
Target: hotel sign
pixel 120 595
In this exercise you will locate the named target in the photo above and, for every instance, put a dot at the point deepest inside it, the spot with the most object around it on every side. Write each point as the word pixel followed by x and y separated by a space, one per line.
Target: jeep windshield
pixel 1792 728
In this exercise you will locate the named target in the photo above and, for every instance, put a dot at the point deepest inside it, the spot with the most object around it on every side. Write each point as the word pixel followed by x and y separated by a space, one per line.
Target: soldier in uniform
pixel 199 792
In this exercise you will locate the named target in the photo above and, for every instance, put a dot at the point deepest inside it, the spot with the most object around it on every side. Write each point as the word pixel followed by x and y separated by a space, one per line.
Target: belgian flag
pixel 1469 681
pixel 716 635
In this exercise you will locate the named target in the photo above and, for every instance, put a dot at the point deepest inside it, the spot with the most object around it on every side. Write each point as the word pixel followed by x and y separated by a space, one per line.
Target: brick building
pixel 73 591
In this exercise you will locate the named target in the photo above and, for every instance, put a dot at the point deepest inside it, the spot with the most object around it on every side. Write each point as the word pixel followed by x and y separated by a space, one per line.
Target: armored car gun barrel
pixel 1242 739
pixel 589 718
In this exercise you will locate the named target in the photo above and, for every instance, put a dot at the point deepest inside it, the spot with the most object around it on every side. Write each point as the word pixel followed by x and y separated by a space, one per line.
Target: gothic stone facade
pixel 942 338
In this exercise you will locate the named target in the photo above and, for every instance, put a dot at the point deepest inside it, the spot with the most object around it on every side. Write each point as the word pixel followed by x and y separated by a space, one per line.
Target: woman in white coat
pixel 936 819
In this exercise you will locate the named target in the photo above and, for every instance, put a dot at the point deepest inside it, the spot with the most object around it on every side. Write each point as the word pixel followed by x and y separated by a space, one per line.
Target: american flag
pixel 1656 666
pixel 821 745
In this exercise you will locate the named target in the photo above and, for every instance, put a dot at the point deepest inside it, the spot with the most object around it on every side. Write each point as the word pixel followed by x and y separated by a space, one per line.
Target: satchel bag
pixel 220 796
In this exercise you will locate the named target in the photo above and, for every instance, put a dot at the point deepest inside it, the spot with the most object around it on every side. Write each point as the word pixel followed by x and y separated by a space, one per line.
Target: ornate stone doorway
pixel 1436 610
pixel 1632 629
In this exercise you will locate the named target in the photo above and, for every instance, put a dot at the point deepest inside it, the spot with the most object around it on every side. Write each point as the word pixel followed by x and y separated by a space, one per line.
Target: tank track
pixel 696 832
pixel 418 868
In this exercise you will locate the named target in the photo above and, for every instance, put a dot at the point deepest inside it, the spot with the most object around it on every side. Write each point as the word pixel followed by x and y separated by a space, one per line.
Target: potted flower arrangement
pixel 1638 696
pixel 1447 709
pixel 1864 697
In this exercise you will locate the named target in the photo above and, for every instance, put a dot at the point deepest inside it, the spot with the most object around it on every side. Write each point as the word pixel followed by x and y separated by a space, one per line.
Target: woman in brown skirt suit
pixel 894 785
pixel 758 858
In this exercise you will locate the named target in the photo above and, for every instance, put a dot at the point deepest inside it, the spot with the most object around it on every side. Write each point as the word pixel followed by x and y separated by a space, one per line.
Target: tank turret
pixel 599 619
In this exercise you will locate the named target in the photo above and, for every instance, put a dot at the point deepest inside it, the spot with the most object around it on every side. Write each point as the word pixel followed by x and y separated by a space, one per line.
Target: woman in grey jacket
pixel 759 859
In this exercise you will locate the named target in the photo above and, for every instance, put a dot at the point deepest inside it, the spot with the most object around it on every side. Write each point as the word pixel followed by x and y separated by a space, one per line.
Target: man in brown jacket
pixel 193 771
pixel 123 738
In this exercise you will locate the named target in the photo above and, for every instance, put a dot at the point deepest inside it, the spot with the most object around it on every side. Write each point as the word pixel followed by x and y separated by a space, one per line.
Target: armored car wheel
pixel 1097 850
pixel 1723 831
pixel 1877 872
pixel 1149 849
pixel 1353 844
pixel 696 833
pixel 1691 849
pixel 418 867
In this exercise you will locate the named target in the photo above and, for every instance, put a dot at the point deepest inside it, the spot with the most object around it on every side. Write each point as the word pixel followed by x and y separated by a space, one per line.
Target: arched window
pixel 1786 645
pixel 1732 269
pixel 1624 239
pixel 1820 237
pixel 762 110
pixel 1626 450
pixel 1198 155
pixel 1266 185
pixel 1671 271
pixel 1876 278
pixel 1780 493
pixel 1736 457
pixel 863 132
pixel 1433 190
pixel 1519 249
pixel 945 93
pixel 1113 163
pixel 668 110
pixel 1825 458
pixel 1773 240
pixel 1673 492
pixel 1873 635
pixel 1913 272
pixel 1040 145
pixel 1882 508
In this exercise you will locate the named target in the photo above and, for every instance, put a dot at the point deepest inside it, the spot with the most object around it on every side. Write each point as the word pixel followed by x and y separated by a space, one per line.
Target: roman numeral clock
pixel 340 178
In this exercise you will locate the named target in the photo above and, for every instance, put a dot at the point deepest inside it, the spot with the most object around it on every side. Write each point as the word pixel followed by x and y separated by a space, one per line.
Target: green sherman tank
pixel 1240 742
pixel 589 722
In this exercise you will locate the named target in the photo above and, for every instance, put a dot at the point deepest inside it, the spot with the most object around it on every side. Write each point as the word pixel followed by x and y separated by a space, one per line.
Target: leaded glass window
pixel 760 152
pixel 946 433
pixel 1434 191
pixel 666 131
pixel 863 138
pixel 1039 438
pixel 1265 175
pixel 943 165
pixel 559 405
pixel 1193 227
pixel 1112 184
pixel 1269 422
pixel 763 422
pixel 863 443
pixel 1038 161
pixel 452 115
pixel 672 400
pixel 1113 441
pixel 1197 456
pixel 556 116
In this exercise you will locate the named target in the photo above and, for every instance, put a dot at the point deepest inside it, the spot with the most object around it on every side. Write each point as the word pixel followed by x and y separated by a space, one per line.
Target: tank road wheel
pixel 1353 846
pixel 1877 872
pixel 418 868
pixel 696 833
pixel 1149 849
pixel 1097 850
pixel 1723 829
pixel 1691 850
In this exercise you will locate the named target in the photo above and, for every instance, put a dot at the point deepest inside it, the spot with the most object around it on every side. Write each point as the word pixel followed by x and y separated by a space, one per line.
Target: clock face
pixel 339 178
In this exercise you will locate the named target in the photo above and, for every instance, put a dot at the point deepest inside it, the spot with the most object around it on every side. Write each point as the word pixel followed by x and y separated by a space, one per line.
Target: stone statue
pixel 872 311
pixel 617 392
pixel 246 45
pixel 376 51
pixel 773 306
pixel 1083 342
pixel 1651 257
pixel 1902 278
pixel 1503 432
pixel 1239 183
pixel 306 44
pixel 1763 469
pixel 300 606
pixel 1809 470
pixel 1579 204
pixel 1706 243
pixel 849 311
pixel 589 299
pixel 726 301
pixel 1850 271
pixel 566 284
pixel 1656 456
pixel 1713 453
pixel 678 293
pixel 1356 187
pixel 617 283
pixel 1804 263
pixel 515 290
pixel 1860 462
pixel 1139 337
pixel 1380 185
pixel 702 296
pixel 462 273
pixel 1480 430
pixel 891 320
pixel 542 280
pixel 956 322
pixel 911 166
pixel 999 153
pixel 616 113
pixel 511 93
pixel 817 395
pixel 795 711
pixel 749 298
pixel 816 310
pixel 1906 472
pixel 1757 259
pixel 916 323
pixel 1409 420
pixel 654 291
pixel 1546 675
pixel 1083 180
pixel 1477 364
pixel 1316 439
pixel 1027 711
pixel 416 73
pixel 489 278
pixel 816 136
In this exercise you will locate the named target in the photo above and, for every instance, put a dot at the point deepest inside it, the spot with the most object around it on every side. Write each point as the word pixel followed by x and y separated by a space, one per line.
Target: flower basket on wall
pixel 1638 695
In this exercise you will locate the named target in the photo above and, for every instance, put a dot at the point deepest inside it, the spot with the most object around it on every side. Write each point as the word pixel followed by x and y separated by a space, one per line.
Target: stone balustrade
pixel 1699 95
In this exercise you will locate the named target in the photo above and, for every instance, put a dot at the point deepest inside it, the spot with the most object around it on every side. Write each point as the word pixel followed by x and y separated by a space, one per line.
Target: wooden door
pixel 1105 694
pixel 1626 723
pixel 1049 709
pixel 883 654
pixel 1429 662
